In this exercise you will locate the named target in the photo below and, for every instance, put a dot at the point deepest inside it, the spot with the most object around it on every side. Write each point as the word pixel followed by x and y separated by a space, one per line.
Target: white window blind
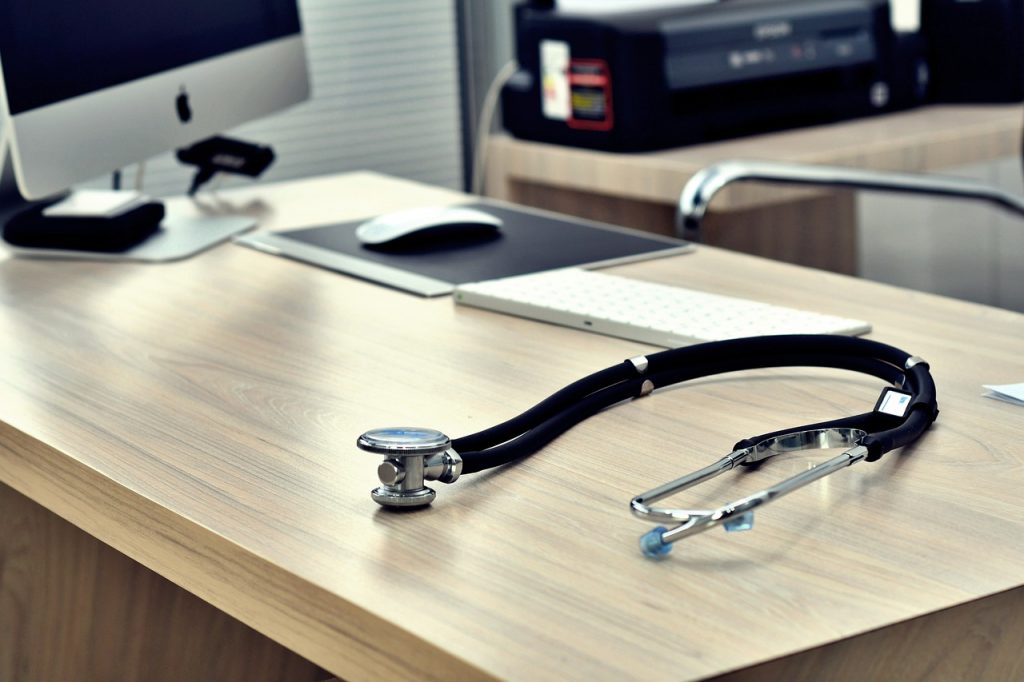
pixel 385 97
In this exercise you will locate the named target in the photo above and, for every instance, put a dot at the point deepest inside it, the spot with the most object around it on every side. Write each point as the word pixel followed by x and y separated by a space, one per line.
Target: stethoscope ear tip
pixel 653 546
pixel 739 523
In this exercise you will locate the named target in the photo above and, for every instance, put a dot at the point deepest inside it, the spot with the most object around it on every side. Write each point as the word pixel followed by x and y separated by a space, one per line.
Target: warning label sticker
pixel 590 85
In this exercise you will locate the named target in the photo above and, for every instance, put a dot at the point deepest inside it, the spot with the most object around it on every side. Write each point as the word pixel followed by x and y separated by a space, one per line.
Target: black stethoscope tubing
pixel 533 429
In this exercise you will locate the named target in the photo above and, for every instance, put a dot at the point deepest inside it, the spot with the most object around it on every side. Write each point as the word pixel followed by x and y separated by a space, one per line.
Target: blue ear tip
pixel 744 521
pixel 652 545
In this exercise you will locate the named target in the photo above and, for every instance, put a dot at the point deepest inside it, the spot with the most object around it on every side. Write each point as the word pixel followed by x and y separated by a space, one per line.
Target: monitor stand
pixel 177 237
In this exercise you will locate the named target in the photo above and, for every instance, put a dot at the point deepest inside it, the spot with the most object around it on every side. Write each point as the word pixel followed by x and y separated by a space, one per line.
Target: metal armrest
pixel 702 187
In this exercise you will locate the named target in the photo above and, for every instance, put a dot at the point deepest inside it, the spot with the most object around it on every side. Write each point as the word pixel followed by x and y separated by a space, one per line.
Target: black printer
pixel 630 81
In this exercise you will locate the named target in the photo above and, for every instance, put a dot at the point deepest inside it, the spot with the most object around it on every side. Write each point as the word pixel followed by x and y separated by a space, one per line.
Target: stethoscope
pixel 904 410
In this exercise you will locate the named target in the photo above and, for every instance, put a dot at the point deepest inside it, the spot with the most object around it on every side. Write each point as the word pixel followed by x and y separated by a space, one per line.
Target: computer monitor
pixel 90 87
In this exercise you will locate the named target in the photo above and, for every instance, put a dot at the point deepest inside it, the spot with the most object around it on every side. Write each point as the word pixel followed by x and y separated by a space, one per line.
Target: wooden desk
pixel 642 190
pixel 199 418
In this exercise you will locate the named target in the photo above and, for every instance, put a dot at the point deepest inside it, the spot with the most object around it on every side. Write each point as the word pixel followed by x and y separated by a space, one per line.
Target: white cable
pixel 484 123
pixel 140 173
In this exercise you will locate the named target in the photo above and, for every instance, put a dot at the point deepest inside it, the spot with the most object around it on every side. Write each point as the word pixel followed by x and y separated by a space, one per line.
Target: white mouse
pixel 425 226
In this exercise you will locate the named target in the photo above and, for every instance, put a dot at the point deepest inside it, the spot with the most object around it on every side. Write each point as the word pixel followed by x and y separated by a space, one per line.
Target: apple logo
pixel 182 105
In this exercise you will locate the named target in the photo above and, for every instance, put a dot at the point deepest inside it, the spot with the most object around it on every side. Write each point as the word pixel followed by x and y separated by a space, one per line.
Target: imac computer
pixel 91 87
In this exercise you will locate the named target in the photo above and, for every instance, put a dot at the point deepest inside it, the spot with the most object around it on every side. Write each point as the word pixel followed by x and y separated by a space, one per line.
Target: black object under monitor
pixel 530 241
pixel 31 228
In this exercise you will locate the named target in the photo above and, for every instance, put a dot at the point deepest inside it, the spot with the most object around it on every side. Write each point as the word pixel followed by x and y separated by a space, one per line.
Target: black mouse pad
pixel 529 241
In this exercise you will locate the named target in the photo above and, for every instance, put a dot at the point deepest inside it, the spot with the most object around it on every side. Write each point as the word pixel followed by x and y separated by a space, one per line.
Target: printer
pixel 669 76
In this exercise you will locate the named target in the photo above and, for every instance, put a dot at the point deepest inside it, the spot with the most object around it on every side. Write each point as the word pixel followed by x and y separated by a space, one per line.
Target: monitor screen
pixel 54 50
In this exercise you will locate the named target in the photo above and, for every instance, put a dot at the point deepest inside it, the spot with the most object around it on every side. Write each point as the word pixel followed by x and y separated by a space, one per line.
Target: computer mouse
pixel 434 226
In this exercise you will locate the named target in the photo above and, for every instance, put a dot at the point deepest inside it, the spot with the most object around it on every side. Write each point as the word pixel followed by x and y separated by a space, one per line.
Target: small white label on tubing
pixel 894 403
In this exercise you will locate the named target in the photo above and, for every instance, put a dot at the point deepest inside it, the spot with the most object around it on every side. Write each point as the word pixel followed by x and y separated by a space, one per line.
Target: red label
pixel 590 94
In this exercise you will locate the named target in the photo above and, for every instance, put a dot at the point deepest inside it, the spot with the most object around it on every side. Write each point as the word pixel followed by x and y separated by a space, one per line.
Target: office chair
pixel 702 187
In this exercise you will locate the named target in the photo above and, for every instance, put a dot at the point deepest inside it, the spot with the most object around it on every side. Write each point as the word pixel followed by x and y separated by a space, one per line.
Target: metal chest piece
pixel 411 456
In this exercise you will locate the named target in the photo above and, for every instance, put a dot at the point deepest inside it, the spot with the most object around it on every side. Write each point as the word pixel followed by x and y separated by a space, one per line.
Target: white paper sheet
pixel 1010 393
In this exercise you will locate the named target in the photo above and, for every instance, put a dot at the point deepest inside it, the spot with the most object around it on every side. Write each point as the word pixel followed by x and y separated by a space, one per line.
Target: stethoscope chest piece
pixel 412 456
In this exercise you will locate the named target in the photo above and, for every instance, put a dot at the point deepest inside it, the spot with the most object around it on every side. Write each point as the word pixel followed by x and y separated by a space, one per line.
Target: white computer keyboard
pixel 642 311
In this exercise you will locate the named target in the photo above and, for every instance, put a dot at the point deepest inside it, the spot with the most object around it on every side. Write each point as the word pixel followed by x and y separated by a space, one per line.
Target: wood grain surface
pixel 72 608
pixel 200 418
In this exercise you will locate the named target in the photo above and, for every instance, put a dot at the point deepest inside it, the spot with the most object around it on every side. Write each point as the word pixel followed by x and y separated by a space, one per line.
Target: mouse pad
pixel 529 241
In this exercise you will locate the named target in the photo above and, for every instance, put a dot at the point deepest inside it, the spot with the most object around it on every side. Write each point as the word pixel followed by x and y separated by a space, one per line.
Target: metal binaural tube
pixel 738 515
pixel 639 504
